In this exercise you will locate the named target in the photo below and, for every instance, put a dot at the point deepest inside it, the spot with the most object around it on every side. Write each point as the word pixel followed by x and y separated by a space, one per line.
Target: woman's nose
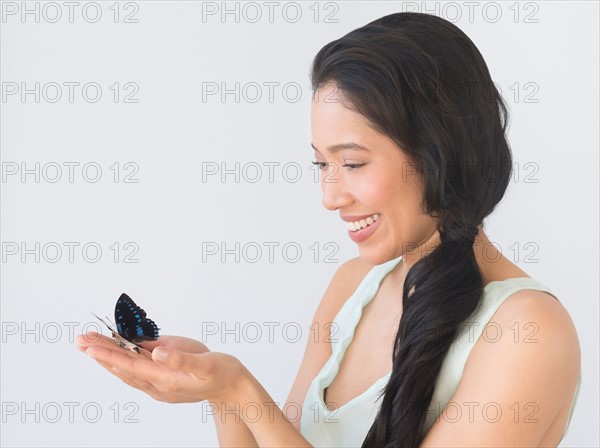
pixel 335 193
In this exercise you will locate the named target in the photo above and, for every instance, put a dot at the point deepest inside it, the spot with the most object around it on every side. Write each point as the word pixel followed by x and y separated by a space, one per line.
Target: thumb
pixel 151 345
pixel 177 359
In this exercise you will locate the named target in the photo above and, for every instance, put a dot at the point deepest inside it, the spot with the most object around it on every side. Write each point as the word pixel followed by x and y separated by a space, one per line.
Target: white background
pixel 547 222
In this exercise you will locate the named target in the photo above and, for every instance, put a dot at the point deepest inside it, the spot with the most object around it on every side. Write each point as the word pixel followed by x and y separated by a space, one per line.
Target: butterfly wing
pixel 132 323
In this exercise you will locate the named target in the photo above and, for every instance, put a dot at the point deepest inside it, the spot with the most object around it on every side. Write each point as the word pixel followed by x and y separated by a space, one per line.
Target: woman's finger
pixel 92 338
pixel 178 360
pixel 176 342
pixel 83 342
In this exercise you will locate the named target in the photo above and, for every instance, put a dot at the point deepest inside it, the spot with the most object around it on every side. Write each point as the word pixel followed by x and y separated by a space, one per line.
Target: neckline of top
pixel 387 267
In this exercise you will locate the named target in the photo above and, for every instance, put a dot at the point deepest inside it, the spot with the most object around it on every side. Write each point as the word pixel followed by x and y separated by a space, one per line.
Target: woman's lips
pixel 360 235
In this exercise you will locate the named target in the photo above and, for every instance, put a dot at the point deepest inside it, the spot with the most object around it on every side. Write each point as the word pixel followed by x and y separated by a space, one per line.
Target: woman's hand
pixel 172 369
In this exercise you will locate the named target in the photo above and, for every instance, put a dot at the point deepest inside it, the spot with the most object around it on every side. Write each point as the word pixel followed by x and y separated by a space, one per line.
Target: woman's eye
pixel 353 166
pixel 321 165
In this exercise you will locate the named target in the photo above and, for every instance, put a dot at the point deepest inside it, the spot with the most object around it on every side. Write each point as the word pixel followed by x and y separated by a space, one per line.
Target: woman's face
pixel 384 181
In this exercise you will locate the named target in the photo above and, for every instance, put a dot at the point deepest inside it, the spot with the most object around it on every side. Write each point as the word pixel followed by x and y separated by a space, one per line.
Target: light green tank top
pixel 348 425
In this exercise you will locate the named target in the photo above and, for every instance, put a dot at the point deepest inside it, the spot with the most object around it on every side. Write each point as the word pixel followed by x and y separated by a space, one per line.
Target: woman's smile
pixel 358 236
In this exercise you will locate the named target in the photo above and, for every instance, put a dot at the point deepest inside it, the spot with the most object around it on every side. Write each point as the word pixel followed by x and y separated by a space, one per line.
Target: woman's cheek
pixel 383 188
pixel 372 192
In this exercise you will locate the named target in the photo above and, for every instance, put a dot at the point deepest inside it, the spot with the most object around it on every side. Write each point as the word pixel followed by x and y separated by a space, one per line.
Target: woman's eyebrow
pixel 350 145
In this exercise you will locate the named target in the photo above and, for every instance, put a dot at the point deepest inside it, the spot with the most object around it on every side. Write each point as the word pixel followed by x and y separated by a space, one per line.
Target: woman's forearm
pixel 268 424
pixel 232 430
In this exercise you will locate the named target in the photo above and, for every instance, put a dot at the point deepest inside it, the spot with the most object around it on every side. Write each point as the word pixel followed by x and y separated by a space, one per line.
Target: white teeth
pixel 357 225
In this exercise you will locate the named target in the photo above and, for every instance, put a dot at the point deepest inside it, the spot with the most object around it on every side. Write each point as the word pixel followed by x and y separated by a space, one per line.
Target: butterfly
pixel 132 325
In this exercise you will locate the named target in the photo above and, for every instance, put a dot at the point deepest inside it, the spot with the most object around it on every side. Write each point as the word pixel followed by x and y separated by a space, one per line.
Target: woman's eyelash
pixel 352 166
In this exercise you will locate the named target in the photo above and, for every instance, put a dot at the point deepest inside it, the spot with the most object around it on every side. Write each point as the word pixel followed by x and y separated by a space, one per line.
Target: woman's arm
pixel 268 424
pixel 284 433
pixel 232 431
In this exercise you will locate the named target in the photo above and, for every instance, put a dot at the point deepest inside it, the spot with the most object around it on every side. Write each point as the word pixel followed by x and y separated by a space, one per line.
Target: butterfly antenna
pixel 104 322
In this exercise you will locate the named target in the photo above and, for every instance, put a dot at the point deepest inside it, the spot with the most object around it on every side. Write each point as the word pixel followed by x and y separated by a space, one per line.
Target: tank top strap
pixel 347 318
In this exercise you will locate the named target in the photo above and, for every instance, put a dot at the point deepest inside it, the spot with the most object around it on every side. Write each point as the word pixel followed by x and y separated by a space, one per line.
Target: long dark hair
pixel 421 81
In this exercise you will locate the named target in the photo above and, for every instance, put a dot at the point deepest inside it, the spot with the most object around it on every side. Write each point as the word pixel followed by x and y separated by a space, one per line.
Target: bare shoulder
pixel 531 348
pixel 343 284
pixel 535 323
pixel 542 310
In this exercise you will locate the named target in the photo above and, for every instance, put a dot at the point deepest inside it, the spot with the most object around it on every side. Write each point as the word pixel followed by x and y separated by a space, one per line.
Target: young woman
pixel 442 340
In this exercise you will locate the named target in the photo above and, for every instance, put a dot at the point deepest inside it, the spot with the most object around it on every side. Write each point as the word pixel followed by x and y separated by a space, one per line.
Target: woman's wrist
pixel 236 395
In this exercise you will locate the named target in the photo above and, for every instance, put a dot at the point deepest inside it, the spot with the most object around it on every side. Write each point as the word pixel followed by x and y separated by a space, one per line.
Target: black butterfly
pixel 131 324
